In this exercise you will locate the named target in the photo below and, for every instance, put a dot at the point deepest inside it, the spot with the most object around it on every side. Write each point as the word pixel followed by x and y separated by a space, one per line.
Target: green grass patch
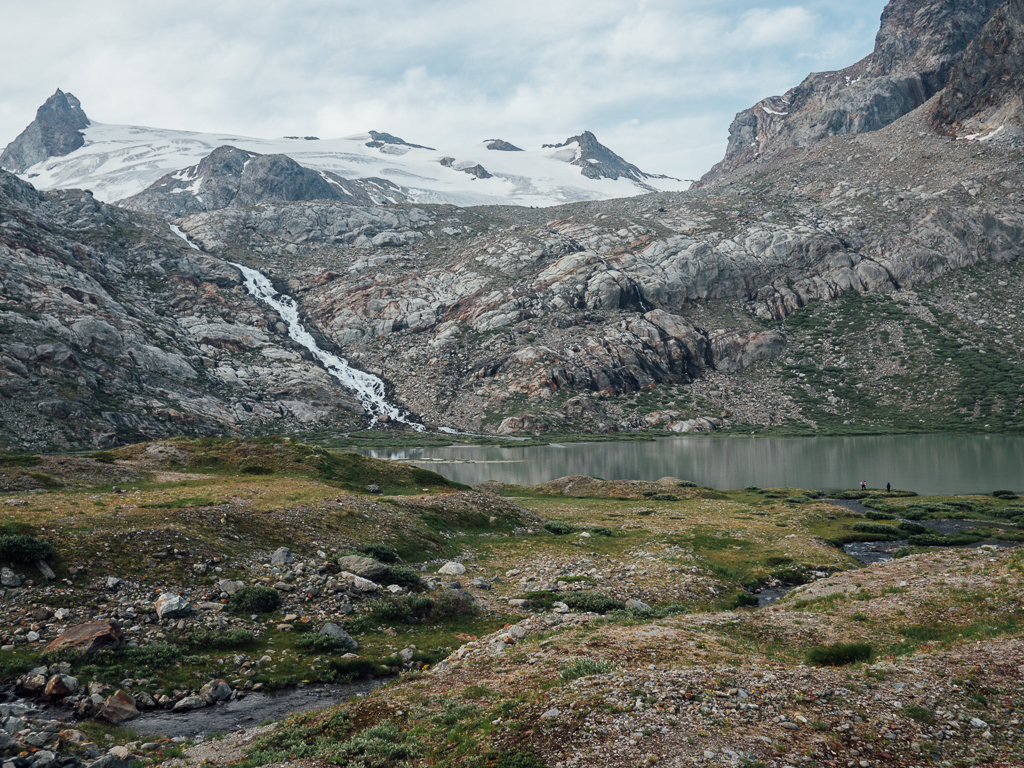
pixel 839 654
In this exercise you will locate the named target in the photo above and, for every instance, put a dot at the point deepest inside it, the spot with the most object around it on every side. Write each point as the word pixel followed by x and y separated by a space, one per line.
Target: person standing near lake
pixel 888 487
pixel 863 485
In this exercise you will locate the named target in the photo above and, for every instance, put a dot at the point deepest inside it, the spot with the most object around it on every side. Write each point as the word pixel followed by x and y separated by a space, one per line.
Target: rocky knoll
pixel 233 178
pixel 919 43
pixel 112 328
pixel 56 131
pixel 983 97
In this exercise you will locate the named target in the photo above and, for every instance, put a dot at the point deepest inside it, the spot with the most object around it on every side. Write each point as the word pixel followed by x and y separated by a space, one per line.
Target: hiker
pixel 863 485
pixel 888 487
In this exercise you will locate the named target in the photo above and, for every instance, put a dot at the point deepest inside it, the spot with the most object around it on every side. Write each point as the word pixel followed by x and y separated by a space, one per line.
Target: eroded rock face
pixel 917 47
pixel 983 96
pixel 56 131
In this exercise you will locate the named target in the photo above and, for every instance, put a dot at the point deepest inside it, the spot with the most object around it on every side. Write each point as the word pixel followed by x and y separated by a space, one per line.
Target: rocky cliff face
pixel 56 131
pixel 917 46
pixel 231 178
pixel 983 98
pixel 112 329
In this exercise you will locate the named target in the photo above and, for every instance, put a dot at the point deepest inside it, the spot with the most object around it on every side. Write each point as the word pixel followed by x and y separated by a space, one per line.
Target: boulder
pixel 363 585
pixel 59 686
pixel 89 637
pixel 172 606
pixel 190 703
pixel 637 605
pixel 333 630
pixel 282 556
pixel 366 567
pixel 32 683
pixel 452 569
pixel 214 691
pixel 229 586
pixel 118 708
pixel 9 578
pixel 374 489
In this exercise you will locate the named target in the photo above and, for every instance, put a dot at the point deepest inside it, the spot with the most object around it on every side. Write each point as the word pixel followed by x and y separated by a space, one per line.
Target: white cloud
pixel 658 81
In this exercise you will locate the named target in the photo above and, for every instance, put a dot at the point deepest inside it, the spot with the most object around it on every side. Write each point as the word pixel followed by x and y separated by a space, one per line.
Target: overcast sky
pixel 658 81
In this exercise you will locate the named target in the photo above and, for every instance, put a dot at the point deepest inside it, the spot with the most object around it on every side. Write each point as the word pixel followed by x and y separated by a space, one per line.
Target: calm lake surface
pixel 928 464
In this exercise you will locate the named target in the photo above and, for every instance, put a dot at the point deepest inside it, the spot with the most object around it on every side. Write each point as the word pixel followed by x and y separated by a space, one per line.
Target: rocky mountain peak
pixel 918 44
pixel 378 140
pixel 502 146
pixel 56 131
pixel 983 96
pixel 599 162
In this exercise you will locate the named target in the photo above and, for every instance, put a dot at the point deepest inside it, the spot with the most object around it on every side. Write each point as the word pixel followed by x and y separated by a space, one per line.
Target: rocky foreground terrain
pixel 582 621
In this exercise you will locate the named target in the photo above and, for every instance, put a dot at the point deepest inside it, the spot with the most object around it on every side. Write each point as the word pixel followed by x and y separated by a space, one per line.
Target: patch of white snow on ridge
pixel 773 112
pixel 119 161
pixel 184 237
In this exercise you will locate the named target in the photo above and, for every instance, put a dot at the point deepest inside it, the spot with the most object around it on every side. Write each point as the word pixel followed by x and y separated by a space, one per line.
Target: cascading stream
pixel 369 389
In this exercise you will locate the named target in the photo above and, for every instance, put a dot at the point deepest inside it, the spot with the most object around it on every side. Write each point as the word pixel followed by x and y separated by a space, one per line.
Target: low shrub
pixel 400 607
pixel 798 499
pixel 20 460
pixel 873 515
pixel 584 667
pixel 517 760
pixel 255 469
pixel 602 531
pixel 743 600
pixel 403 576
pixel 221 640
pixel 382 553
pixel 104 457
pixel 942 540
pixel 255 598
pixel 592 602
pixel 19 548
pixel 664 497
pixel 317 643
pixel 874 528
pixel 839 654
pixel 912 529
pixel 1004 494
pixel 921 714
pixel 449 605
pixel 559 527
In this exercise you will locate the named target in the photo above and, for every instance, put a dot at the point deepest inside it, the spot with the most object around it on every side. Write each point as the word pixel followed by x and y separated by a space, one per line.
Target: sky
pixel 658 81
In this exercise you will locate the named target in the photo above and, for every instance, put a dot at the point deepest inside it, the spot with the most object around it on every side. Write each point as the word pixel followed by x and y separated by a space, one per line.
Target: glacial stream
pixel 369 389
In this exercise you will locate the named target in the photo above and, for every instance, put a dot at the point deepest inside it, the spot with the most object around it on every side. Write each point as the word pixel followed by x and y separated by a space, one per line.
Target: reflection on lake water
pixel 928 464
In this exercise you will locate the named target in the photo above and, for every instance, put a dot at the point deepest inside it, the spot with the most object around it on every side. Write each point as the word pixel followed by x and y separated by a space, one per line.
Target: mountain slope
pixel 918 45
pixel 118 162
pixel 112 330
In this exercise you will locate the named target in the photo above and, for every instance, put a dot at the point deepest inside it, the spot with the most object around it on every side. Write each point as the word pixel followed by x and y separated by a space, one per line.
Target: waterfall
pixel 369 389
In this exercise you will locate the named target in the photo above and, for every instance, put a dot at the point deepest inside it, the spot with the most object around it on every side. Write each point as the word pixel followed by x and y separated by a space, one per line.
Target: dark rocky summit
pixel 379 140
pixel 599 162
pixel 916 49
pixel 56 131
pixel 984 92
pixel 502 146
pixel 229 178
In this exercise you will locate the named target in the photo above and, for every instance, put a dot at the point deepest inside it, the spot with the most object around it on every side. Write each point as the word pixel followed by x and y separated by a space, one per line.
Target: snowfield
pixel 118 161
